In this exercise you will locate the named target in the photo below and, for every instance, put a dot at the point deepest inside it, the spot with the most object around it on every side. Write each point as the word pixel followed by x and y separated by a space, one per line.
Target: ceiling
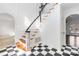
pixel 66 6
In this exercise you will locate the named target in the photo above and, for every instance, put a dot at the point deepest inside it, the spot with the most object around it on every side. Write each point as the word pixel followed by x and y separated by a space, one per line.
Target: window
pixel 71 39
pixel 74 40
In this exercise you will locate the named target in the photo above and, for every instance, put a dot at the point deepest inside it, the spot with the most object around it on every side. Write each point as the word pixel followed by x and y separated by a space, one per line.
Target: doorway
pixel 7 30
pixel 72 30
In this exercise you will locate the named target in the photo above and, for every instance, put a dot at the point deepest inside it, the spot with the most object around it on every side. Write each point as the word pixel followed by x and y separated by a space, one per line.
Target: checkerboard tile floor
pixel 41 50
pixel 11 51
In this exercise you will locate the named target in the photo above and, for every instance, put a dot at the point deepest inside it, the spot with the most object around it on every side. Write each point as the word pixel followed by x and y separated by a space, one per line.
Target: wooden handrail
pixel 36 17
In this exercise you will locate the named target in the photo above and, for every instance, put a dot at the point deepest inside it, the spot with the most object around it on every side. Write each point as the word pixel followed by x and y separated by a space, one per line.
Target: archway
pixel 72 30
pixel 7 27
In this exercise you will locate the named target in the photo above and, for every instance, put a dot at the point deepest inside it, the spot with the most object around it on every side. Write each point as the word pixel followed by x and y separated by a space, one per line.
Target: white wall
pixel 6 25
pixel 51 29
pixel 62 26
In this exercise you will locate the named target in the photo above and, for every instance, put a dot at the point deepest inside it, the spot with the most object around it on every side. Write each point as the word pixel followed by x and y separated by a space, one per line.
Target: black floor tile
pixel 2 50
pixel 63 46
pixel 32 50
pixel 57 54
pixel 53 49
pixel 16 51
pixel 46 46
pixel 39 50
pixel 40 54
pixel 68 49
pixel 74 54
pixel 62 50
pixel 75 49
pixel 31 55
pixel 14 46
pixel 47 50
pixel 48 54
pixel 39 46
pixel 65 54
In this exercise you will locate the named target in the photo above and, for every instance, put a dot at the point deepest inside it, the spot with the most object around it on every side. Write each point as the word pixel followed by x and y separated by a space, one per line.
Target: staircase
pixel 34 36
